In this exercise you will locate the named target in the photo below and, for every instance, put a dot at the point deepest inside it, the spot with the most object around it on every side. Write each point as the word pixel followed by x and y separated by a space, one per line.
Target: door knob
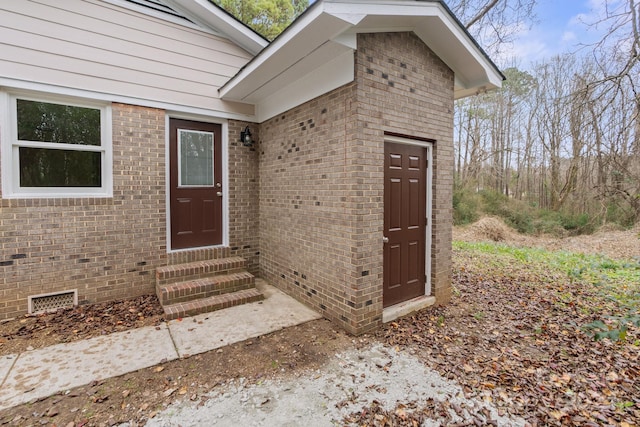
pixel 385 239
pixel 219 193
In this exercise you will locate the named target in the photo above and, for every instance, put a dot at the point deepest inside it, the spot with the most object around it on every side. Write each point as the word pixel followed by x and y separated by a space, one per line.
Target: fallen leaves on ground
pixel 413 414
pixel 512 336
pixel 81 322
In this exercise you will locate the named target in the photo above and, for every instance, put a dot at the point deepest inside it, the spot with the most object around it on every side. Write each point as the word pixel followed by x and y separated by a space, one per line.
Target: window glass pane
pixel 46 122
pixel 196 157
pixel 41 167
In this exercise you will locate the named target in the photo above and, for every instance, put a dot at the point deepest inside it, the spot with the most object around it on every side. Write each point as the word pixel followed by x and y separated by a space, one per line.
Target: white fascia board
pixel 459 93
pixel 184 21
pixel 460 53
pixel 268 76
pixel 13 84
pixel 352 9
pixel 305 35
pixel 436 27
pixel 209 15
pixel 331 75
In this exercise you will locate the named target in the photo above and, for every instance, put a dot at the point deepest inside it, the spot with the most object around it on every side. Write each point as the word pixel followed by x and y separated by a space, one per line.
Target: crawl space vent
pixel 52 302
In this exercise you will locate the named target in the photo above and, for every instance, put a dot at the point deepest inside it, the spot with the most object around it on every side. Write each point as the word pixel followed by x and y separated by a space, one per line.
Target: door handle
pixel 385 239
pixel 219 193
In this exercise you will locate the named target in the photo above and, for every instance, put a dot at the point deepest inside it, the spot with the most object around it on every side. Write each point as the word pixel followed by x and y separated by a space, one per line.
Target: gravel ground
pixel 348 384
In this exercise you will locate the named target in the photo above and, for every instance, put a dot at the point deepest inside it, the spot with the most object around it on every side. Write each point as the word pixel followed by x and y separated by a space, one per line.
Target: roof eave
pixel 210 15
pixel 332 26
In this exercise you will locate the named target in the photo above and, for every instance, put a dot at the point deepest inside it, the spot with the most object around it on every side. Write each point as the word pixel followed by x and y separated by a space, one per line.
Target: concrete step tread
pixel 217 302
pixel 200 288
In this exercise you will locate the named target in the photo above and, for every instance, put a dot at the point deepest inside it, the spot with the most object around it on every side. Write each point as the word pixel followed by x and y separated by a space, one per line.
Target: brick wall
pixel 243 195
pixel 321 180
pixel 306 212
pixel 107 248
pixel 306 203
pixel 404 88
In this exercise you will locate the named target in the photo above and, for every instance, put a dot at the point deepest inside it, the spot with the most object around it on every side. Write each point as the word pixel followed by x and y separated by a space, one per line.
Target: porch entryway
pixel 201 275
pixel 195 169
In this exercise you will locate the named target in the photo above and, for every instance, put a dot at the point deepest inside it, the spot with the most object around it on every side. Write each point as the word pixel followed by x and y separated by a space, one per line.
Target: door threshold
pixel 407 307
pixel 195 248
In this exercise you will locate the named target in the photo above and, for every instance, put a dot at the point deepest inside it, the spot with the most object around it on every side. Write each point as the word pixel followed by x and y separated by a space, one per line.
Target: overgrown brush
pixel 527 218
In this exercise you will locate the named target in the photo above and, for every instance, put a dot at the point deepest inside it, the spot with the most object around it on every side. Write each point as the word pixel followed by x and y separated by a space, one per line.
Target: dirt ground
pixel 138 396
pixel 470 336
pixel 78 323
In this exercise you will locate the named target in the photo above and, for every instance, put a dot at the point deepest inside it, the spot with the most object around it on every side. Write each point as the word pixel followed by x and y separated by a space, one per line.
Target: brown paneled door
pixel 405 196
pixel 195 178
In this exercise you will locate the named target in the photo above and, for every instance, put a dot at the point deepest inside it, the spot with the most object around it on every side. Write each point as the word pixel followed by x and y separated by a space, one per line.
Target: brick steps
pixel 203 288
pixel 216 302
pixel 192 285
pixel 198 270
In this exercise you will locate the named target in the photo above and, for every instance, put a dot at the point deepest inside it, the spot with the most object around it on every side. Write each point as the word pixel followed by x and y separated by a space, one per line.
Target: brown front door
pixel 195 169
pixel 405 186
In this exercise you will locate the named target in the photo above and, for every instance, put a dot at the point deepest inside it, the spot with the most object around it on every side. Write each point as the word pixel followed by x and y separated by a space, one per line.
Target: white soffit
pixel 286 73
pixel 209 15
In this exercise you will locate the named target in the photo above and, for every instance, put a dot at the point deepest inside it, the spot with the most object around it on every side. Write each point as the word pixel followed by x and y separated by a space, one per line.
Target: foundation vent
pixel 52 302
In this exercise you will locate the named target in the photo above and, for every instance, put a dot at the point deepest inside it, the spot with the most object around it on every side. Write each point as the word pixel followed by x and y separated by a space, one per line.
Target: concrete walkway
pixel 43 372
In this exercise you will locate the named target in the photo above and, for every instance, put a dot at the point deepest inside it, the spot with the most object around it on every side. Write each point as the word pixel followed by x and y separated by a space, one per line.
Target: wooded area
pixel 563 136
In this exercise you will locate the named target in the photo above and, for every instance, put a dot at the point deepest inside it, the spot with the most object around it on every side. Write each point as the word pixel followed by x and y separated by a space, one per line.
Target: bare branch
pixel 482 13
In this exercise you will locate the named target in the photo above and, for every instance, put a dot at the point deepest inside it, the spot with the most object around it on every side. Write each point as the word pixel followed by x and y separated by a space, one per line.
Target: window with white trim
pixel 58 148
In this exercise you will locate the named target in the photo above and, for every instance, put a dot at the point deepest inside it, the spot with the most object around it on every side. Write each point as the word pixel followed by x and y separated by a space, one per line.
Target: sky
pixel 561 28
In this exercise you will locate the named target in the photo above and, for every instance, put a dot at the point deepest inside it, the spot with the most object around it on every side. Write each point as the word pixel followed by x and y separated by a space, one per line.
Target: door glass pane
pixel 195 149
pixel 41 167
pixel 46 122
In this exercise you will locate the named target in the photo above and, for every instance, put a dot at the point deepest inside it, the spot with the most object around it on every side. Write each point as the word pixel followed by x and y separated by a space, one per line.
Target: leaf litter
pixel 513 336
pixel 29 332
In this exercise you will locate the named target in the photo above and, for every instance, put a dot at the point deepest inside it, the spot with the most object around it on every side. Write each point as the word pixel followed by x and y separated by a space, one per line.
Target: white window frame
pixel 10 146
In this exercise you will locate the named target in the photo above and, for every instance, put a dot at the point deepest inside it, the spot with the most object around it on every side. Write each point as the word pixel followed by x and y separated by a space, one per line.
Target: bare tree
pixel 494 22
pixel 620 43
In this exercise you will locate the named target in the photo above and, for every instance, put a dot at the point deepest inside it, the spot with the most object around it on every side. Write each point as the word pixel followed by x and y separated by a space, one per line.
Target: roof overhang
pixel 208 15
pixel 315 54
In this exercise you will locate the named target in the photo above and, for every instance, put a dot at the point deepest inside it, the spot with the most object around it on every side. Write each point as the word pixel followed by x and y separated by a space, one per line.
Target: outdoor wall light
pixel 245 137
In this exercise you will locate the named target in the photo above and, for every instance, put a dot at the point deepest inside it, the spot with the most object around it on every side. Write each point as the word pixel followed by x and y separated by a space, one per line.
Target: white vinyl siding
pixel 100 47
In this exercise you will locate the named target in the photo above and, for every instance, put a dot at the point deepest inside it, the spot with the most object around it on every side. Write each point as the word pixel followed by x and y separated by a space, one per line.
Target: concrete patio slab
pixel 6 362
pixel 208 331
pixel 40 373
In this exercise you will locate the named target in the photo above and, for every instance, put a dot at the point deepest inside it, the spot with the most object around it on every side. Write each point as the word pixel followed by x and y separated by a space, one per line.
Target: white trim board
pixel 13 85
pixel 224 124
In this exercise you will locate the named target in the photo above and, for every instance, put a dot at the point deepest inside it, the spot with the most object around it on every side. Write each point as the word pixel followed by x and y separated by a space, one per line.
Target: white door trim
pixel 428 197
pixel 225 175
